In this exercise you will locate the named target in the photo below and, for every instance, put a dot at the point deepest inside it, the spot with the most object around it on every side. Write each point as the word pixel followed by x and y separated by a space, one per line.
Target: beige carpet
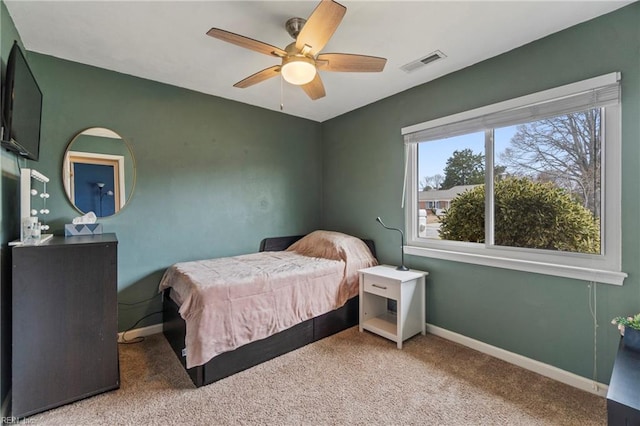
pixel 349 378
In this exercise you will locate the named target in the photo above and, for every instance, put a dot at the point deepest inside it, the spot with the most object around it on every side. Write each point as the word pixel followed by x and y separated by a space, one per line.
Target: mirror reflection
pixel 99 172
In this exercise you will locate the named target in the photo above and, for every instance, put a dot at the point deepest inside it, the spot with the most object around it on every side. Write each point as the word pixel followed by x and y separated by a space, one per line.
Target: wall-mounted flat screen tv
pixel 21 107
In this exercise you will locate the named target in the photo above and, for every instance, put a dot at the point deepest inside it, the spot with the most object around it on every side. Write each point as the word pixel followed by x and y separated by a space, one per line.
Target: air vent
pixel 419 63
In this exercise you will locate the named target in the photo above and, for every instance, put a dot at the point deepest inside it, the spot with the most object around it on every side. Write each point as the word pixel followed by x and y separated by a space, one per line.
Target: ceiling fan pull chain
pixel 281 93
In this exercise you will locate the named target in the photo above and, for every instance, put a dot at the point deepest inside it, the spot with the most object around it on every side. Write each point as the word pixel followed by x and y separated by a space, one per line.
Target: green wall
pixel 214 176
pixel 538 316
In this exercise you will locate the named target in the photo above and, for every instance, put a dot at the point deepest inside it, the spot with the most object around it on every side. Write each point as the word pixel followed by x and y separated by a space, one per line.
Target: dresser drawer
pixel 381 286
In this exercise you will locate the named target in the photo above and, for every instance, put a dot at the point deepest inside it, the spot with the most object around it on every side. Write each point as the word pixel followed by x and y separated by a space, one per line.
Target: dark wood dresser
pixel 64 322
pixel 623 396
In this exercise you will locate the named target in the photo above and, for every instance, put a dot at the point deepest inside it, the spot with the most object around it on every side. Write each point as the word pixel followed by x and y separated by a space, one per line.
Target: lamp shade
pixel 298 70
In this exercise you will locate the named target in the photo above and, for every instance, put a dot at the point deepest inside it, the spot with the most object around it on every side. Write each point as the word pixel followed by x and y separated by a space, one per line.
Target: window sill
pixel 585 274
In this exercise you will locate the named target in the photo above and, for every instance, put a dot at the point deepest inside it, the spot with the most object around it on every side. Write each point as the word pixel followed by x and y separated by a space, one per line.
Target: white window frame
pixel 602 268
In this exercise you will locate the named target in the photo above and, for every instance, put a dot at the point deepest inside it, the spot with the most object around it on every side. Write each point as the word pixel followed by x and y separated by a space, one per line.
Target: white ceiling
pixel 166 41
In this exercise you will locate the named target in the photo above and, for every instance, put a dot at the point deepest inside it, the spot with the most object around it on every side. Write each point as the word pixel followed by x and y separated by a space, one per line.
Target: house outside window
pixel 532 183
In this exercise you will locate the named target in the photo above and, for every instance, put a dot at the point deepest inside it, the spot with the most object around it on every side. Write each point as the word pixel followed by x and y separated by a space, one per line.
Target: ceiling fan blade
pixel 246 42
pixel 320 26
pixel 314 89
pixel 346 62
pixel 259 77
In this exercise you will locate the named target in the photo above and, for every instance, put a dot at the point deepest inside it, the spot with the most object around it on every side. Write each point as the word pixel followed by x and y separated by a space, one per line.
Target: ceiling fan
pixel 301 59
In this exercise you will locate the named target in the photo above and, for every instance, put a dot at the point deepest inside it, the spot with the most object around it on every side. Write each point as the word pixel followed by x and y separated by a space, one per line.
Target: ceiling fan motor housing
pixel 294 26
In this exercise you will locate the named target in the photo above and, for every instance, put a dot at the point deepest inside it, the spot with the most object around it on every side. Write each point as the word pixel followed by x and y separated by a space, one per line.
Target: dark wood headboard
pixel 282 243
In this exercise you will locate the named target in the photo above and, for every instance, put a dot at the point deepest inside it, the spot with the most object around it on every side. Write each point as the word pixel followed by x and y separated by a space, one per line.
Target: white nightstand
pixel 380 283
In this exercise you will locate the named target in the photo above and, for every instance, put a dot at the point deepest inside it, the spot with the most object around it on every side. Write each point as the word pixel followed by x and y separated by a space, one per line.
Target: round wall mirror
pixel 99 172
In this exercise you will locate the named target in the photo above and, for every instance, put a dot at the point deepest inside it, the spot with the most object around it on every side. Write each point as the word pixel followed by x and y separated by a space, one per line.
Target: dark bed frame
pixel 254 353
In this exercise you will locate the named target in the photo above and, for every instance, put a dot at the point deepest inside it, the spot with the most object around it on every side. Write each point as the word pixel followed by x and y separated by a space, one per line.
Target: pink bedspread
pixel 228 302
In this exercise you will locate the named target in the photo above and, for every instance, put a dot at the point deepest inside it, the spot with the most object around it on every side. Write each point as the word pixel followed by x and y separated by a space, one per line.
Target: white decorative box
pixel 71 230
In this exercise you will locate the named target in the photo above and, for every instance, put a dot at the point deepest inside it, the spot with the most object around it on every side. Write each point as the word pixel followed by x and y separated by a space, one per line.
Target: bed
pixel 225 315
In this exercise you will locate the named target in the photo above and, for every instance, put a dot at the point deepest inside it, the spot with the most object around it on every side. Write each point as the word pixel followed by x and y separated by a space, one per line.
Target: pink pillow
pixel 333 245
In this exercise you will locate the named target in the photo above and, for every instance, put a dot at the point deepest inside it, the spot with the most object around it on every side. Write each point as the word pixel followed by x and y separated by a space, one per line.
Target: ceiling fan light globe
pixel 298 70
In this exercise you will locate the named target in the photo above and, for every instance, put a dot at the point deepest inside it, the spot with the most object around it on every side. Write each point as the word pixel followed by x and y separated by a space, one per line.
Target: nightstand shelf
pixel 386 325
pixel 379 285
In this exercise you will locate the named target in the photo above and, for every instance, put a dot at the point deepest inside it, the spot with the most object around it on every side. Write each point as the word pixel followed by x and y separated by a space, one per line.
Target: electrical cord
pixel 593 306
pixel 139 302
pixel 124 341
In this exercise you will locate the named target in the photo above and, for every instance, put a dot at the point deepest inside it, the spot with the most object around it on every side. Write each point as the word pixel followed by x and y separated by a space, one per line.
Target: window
pixel 532 183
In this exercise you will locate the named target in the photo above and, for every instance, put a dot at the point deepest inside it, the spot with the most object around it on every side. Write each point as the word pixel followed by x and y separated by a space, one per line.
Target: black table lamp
pixel 401 267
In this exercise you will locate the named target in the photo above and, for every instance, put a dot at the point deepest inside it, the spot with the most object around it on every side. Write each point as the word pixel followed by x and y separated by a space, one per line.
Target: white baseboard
pixel 541 368
pixel 141 332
